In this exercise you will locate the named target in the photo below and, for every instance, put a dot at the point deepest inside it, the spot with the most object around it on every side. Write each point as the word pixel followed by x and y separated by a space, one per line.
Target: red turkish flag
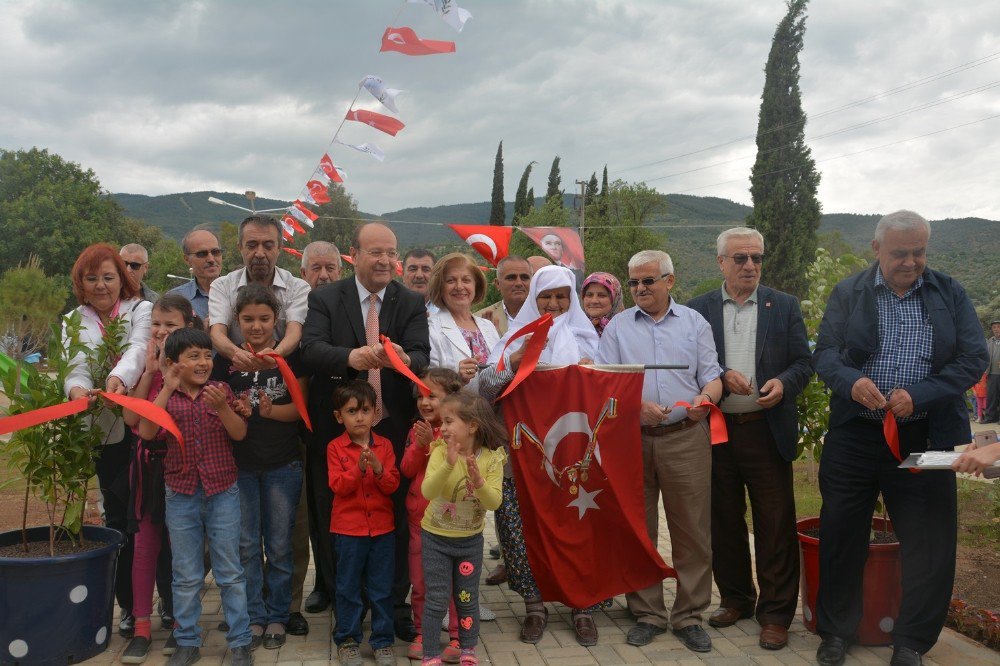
pixel 387 124
pixel 327 167
pixel 492 242
pixel 317 192
pixel 290 221
pixel 591 544
pixel 404 40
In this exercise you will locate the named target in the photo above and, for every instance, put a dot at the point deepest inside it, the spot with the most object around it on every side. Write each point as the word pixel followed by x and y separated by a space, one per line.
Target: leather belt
pixel 657 430
pixel 745 417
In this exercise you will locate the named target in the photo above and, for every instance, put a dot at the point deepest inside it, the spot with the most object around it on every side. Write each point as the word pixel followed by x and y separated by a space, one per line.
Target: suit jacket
pixel 782 351
pixel 448 347
pixel 496 314
pixel 334 327
pixel 848 337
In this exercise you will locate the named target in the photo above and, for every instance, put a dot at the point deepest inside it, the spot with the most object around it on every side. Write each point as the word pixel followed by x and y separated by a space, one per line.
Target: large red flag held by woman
pixel 576 453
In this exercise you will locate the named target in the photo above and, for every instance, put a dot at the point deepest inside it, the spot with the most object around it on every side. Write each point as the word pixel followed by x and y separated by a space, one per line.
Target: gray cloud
pixel 166 97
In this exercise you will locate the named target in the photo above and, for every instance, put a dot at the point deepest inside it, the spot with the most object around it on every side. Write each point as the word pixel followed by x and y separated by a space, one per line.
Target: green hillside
pixel 967 248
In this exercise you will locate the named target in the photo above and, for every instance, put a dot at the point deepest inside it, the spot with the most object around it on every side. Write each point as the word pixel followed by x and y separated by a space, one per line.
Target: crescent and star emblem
pixel 483 239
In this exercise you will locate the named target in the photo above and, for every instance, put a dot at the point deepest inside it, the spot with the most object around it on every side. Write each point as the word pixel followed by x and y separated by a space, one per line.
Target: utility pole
pixel 583 206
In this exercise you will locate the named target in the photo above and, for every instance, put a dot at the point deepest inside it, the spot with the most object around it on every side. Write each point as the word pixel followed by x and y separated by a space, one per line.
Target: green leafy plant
pixel 55 460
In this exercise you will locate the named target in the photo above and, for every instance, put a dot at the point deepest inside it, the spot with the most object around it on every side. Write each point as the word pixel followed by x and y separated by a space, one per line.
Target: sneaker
pixel 241 656
pixel 136 651
pixel 184 656
pixel 384 656
pixel 486 613
pixel 349 654
pixel 126 627
pixel 431 661
pixel 452 652
pixel 171 645
pixel 469 658
pixel 416 649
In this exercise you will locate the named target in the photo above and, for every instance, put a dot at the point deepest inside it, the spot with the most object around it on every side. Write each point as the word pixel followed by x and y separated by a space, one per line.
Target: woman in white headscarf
pixel 571 340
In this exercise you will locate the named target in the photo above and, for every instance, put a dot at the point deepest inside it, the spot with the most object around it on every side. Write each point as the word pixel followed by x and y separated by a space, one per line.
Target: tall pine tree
pixel 497 207
pixel 522 205
pixel 602 198
pixel 554 181
pixel 592 188
pixel 784 179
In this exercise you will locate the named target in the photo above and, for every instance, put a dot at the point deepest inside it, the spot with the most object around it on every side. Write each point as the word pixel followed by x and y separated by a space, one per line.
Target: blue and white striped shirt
pixel 906 343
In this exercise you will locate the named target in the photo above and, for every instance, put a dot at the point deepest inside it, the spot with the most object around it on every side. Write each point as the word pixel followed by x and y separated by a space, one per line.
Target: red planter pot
pixel 882 588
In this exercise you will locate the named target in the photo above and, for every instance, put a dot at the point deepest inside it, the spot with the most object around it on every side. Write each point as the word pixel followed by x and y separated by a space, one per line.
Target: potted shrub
pixel 56 581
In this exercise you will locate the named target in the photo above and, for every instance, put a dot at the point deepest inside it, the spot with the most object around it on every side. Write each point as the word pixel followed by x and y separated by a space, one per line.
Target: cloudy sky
pixel 160 97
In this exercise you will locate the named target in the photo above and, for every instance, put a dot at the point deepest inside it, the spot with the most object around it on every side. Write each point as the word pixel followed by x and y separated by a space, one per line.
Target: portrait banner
pixel 576 455
pixel 561 244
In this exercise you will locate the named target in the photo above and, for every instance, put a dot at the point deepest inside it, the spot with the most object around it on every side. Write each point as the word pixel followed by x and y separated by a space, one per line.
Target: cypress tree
pixel 592 188
pixel 522 205
pixel 602 198
pixel 497 207
pixel 531 199
pixel 554 180
pixel 784 179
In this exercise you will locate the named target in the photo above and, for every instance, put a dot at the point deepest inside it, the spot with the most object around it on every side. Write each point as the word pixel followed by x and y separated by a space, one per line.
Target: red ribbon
pixel 143 408
pixel 716 421
pixel 890 430
pixel 400 367
pixel 294 390
pixel 532 352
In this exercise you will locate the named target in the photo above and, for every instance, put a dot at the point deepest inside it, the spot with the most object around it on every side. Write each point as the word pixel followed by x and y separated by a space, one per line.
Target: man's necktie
pixel 371 335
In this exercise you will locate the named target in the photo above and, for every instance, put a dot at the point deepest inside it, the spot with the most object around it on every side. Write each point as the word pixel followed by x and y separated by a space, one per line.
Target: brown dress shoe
pixel 773 636
pixel 498 576
pixel 727 617
pixel 585 629
pixel 534 627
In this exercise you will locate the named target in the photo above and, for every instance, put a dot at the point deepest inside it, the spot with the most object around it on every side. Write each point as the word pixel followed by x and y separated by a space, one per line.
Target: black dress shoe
pixel 904 656
pixel 694 638
pixel 643 633
pixel 317 601
pixel 405 631
pixel 126 627
pixel 832 651
pixel 297 625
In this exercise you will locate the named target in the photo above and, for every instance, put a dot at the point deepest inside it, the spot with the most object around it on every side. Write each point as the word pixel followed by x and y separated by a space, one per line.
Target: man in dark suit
pixel 764 353
pixel 903 339
pixel 340 343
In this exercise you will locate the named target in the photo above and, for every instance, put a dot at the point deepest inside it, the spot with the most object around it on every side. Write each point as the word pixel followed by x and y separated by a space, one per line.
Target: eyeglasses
pixel 135 265
pixel 378 255
pixel 740 259
pixel 645 282
pixel 203 254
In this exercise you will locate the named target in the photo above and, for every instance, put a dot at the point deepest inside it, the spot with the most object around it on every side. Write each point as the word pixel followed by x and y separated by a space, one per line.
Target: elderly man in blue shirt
pixel 676 448
pixel 203 255
pixel 897 337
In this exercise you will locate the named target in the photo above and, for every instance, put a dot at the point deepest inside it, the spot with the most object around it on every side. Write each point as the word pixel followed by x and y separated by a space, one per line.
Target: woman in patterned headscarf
pixel 601 299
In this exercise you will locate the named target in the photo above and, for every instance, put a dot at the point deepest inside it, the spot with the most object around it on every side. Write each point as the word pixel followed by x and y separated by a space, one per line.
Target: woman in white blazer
pixel 459 340
pixel 105 290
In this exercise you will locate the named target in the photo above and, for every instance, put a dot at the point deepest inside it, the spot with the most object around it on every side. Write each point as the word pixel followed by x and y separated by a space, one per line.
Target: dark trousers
pixel 113 477
pixel 992 399
pixel 364 562
pixel 750 464
pixel 451 574
pixel 320 500
pixel 856 465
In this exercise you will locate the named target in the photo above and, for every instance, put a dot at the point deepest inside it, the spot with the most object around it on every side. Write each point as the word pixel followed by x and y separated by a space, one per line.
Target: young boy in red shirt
pixel 363 476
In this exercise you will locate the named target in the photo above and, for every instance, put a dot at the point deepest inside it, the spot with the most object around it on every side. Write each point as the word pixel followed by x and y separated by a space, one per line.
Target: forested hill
pixel 967 248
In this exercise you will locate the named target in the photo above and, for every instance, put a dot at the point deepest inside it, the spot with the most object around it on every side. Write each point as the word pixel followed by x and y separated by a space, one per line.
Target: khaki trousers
pixel 678 467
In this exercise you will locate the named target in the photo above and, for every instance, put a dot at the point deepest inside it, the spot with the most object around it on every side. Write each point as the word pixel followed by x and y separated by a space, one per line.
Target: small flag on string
pixel 299 211
pixel 292 251
pixel 404 40
pixel 317 193
pixel 449 10
pixel 369 148
pixel 332 172
pixel 376 86
pixel 291 225
pixel 387 124
pixel 287 229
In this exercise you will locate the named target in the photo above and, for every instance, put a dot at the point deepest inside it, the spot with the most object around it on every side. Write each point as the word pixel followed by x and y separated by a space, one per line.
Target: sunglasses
pixel 203 254
pixel 740 259
pixel 135 265
pixel 645 282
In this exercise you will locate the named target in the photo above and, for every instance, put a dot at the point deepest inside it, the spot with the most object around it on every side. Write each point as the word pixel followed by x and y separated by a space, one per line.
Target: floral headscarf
pixel 614 287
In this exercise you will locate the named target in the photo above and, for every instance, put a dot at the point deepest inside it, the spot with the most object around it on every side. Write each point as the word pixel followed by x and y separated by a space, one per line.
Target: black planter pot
pixel 57 610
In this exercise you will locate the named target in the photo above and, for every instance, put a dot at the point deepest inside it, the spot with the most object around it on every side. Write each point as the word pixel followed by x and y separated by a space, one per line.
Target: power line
pixel 885 93
pixel 842 130
pixel 441 224
pixel 857 152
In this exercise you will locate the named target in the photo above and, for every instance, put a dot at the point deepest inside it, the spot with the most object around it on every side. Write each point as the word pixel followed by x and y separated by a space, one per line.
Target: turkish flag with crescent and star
pixel 404 40
pixel 491 241
pixel 379 121
pixel 583 515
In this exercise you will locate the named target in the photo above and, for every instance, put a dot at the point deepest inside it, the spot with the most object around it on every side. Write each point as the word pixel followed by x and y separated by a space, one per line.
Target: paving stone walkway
pixel 499 642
